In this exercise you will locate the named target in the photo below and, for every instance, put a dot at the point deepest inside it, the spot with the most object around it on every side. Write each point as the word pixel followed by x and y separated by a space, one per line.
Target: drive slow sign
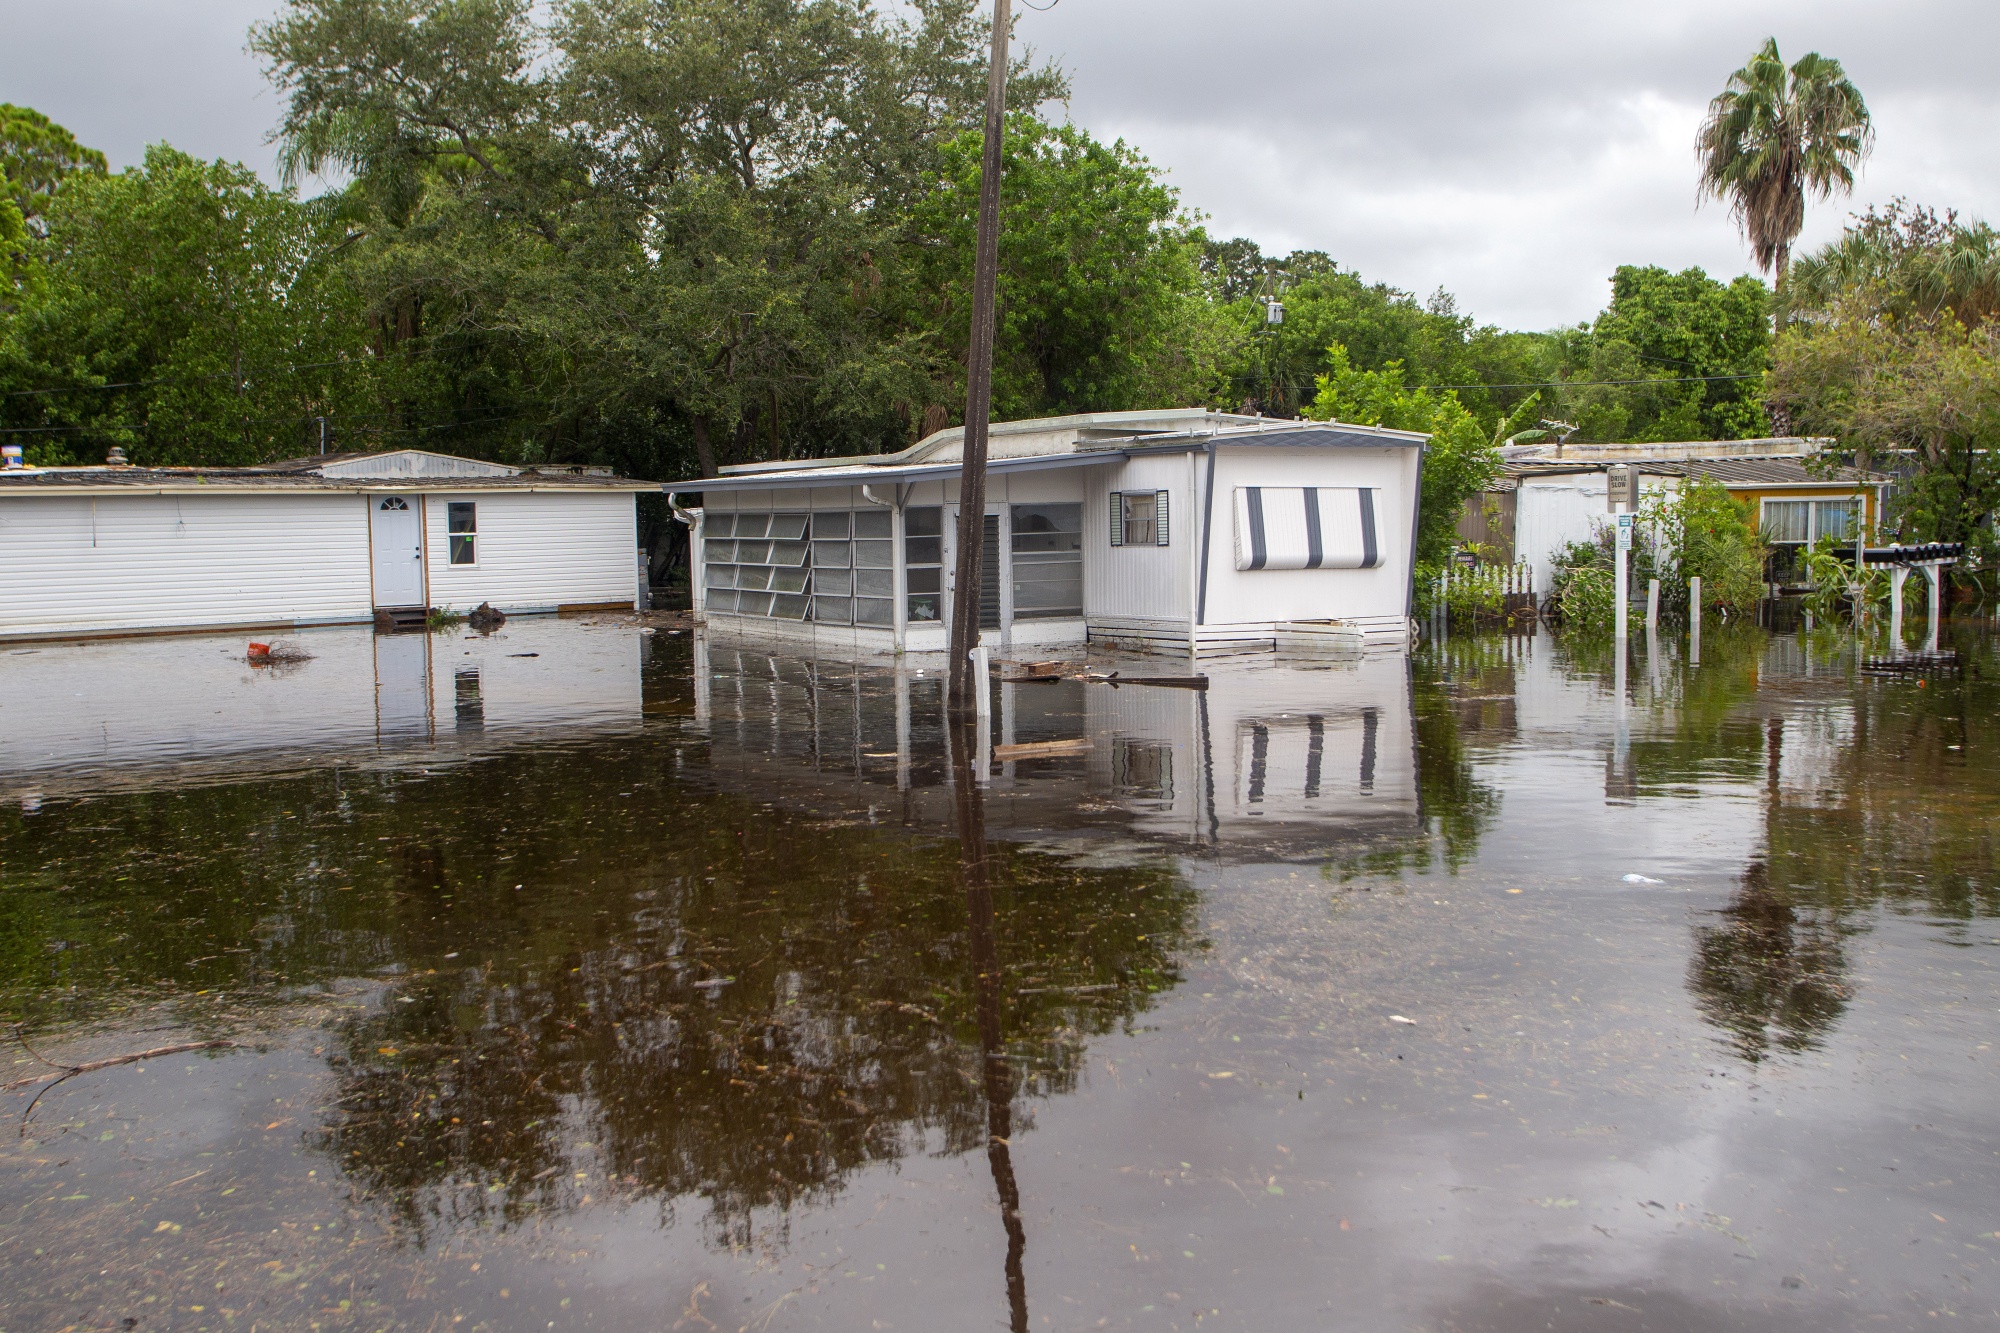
pixel 1621 486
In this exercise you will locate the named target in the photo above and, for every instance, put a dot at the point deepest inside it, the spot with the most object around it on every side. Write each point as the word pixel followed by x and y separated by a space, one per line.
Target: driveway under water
pixel 582 976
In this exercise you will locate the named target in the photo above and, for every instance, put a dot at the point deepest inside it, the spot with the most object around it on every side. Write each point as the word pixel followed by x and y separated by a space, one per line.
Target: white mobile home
pixel 1184 530
pixel 326 540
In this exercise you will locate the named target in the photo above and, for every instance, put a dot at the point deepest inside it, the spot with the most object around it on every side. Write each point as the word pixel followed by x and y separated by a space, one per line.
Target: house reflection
pixel 1273 758
pixel 128 714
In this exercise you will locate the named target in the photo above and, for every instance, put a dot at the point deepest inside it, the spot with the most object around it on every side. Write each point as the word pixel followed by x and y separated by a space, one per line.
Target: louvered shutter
pixel 1160 519
pixel 1117 518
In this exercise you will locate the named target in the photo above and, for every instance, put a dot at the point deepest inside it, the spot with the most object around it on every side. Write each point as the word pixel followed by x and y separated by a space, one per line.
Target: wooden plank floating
pixel 1040 749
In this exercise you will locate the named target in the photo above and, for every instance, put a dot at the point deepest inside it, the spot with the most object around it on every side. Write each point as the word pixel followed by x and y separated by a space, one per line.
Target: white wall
pixel 1262 596
pixel 1140 582
pixel 1549 515
pixel 74 564
pixel 536 550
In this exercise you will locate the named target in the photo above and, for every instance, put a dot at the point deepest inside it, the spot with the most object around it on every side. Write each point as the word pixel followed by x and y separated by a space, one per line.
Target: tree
pixel 1459 462
pixel 1775 135
pixel 1900 263
pixel 670 225
pixel 1706 344
pixel 1925 392
pixel 1278 366
pixel 1896 354
pixel 187 312
pixel 35 155
pixel 1100 299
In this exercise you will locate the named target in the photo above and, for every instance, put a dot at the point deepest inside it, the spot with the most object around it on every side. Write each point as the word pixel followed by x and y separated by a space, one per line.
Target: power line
pixel 1590 384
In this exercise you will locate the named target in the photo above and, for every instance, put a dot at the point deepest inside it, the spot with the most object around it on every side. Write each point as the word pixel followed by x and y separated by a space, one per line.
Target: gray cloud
pixel 1512 154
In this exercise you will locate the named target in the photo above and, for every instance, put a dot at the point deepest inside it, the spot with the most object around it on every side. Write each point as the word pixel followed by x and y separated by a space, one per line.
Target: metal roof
pixel 1742 473
pixel 238 481
pixel 875 474
pixel 1086 453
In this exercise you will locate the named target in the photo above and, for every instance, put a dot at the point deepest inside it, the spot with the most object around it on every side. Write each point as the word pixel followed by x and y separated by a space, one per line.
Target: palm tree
pixel 1775 135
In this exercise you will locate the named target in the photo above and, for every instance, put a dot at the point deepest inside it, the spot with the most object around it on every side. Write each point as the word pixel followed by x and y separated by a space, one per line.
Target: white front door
pixel 396 533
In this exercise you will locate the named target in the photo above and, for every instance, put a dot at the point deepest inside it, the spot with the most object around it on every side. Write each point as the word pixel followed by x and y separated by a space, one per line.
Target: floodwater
pixel 586 977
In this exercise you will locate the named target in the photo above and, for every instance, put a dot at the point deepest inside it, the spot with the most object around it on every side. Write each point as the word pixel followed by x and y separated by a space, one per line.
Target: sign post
pixel 1620 494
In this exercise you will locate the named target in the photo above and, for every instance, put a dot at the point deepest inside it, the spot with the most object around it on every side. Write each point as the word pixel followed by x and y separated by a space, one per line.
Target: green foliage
pixel 187 312
pixel 1698 530
pixel 1672 328
pixel 1901 263
pixel 1277 367
pixel 1100 305
pixel 1773 136
pixel 35 155
pixel 661 236
pixel 1701 531
pixel 1922 393
pixel 1459 461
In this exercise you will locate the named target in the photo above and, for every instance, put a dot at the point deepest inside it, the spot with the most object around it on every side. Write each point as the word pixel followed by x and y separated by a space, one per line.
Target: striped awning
pixel 1306 527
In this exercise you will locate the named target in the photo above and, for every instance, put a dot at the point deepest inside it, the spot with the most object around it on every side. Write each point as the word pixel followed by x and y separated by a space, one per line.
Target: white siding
pixel 77 564
pixel 1549 515
pixel 1266 596
pixel 536 550
pixel 1139 582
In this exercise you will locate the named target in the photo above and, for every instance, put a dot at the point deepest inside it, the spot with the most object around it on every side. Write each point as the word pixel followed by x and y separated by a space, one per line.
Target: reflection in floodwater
pixel 1269 761
pixel 135 714
pixel 989 980
pixel 1770 973
pixel 585 975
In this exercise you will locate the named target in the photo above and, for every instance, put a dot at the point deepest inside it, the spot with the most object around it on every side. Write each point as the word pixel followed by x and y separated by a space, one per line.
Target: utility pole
pixel 979 388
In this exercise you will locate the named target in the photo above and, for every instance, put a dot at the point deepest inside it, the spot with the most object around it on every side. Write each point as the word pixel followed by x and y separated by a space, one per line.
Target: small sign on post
pixel 1621 487
pixel 1624 532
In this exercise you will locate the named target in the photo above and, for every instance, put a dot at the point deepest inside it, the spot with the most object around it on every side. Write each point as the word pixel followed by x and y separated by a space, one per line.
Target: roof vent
pixel 115 457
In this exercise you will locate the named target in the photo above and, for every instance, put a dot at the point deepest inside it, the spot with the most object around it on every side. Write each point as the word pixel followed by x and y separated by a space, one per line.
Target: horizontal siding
pixel 536 549
pixel 73 564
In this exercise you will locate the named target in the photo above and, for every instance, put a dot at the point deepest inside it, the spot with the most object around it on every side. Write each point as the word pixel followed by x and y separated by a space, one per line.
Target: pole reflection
pixel 969 808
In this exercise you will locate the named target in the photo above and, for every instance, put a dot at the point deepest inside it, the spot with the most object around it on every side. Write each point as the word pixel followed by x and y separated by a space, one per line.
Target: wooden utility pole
pixel 979 387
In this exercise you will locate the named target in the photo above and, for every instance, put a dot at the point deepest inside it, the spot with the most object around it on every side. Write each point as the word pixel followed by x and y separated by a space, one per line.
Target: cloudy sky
pixel 1512 154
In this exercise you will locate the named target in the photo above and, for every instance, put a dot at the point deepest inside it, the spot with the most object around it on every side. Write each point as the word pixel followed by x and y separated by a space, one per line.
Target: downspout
pixel 899 572
pixel 1194 568
pixel 697 559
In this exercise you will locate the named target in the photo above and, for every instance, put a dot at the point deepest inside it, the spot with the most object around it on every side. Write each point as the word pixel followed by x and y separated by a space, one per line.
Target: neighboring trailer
pixel 348 538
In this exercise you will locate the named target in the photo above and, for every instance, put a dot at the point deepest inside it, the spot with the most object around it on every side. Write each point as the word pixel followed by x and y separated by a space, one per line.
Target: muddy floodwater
pixel 595 976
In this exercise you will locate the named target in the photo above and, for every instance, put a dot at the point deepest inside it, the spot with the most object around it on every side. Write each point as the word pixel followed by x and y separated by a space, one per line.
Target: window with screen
pixel 461 521
pixel 923 559
pixel 1801 522
pixel 1835 519
pixel 833 568
pixel 1048 561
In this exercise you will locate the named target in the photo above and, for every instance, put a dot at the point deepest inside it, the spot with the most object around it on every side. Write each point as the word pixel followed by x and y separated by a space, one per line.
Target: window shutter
pixel 1117 518
pixel 1160 519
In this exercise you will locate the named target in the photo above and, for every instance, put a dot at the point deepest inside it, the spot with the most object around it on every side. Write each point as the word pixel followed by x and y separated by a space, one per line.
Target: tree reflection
pixel 581 973
pixel 1770 974
pixel 747 1018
